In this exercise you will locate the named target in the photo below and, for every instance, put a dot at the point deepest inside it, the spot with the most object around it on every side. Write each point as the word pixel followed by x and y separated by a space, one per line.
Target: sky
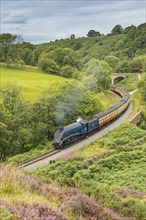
pixel 39 21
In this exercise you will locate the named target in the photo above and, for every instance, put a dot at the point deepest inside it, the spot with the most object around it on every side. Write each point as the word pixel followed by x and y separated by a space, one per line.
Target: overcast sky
pixel 39 21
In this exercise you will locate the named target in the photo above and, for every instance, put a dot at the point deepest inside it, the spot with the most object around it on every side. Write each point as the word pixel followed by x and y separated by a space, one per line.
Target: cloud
pixel 44 20
pixel 14 18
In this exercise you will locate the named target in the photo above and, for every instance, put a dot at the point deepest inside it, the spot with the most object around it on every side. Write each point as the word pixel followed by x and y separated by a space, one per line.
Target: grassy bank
pixel 32 82
pixel 111 170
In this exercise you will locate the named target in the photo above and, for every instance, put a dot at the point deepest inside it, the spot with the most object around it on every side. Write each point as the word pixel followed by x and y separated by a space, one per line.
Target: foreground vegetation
pixel 24 197
pixel 110 170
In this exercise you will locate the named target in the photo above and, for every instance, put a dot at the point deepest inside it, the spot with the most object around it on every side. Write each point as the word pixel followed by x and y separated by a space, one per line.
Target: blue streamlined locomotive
pixel 78 130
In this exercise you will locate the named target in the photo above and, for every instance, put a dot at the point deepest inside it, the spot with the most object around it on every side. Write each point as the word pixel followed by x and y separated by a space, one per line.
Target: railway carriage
pixel 118 90
pixel 78 130
pixel 106 116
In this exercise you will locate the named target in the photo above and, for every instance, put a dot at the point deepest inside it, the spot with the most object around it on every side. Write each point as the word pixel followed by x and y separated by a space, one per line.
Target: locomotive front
pixel 57 138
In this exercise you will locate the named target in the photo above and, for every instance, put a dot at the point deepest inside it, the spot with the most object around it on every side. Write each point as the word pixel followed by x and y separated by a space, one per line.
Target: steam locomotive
pixel 78 130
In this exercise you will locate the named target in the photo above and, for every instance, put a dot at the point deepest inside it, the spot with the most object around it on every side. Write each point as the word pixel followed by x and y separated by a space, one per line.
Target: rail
pixel 38 158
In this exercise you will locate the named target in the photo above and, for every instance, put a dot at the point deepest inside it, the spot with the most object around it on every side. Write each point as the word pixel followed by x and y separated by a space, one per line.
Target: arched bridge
pixel 118 75
pixel 123 75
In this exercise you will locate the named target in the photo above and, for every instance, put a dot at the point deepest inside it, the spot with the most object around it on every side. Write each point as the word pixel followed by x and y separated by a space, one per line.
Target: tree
pixel 127 29
pixel 70 57
pixel 49 66
pixel 35 55
pixel 142 87
pixel 97 33
pixel 93 33
pixel 117 30
pixel 142 60
pixel 8 45
pixel 20 128
pixel 134 66
pixel 112 61
pixel 101 72
pixel 14 114
pixel 77 46
pixel 121 66
pixel 67 71
pixel 25 50
pixel 119 45
pixel 61 56
pixel 72 36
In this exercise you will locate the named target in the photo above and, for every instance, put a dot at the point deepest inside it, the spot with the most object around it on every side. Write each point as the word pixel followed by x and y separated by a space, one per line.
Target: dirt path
pixel 139 78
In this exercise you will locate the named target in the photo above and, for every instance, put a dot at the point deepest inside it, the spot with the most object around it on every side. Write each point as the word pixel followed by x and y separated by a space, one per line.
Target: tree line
pixel 126 49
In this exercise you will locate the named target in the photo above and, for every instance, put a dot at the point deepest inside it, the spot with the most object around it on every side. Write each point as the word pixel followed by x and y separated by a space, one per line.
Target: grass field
pixel 32 83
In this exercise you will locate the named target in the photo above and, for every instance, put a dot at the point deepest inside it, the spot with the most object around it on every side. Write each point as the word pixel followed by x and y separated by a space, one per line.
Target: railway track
pixel 56 153
pixel 38 158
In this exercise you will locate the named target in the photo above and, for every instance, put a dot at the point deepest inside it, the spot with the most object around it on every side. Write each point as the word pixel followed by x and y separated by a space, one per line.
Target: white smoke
pixel 79 119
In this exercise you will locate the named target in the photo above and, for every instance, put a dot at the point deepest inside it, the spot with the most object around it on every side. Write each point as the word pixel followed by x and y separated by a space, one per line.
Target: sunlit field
pixel 32 83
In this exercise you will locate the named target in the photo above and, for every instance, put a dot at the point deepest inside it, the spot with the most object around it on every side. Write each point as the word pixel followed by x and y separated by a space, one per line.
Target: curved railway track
pixel 53 154
pixel 38 158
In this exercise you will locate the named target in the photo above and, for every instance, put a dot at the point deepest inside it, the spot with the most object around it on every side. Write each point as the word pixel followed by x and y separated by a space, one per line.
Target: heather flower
pixel 41 212
pixel 50 191
pixel 84 206
pixel 70 155
pixel 34 212
pixel 129 192
pixel 80 206
pixel 110 214
pixel 71 192
pixel 9 207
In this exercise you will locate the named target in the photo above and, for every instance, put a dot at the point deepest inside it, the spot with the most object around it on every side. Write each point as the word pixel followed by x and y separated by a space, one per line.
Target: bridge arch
pixel 120 76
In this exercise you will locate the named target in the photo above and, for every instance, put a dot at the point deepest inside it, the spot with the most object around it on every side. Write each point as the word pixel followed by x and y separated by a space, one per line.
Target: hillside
pixel 124 47
pixel 104 170
pixel 33 83
pixel 110 170
pixel 48 86
pixel 24 197
pixel 124 52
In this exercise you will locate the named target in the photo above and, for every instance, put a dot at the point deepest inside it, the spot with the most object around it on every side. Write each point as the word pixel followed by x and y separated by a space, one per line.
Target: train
pixel 79 130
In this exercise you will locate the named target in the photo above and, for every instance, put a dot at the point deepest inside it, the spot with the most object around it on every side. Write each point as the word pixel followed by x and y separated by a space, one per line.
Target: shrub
pixel 134 66
pixel 134 207
pixel 5 214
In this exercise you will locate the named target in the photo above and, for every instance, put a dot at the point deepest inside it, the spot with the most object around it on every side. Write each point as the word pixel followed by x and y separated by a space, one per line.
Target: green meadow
pixel 31 82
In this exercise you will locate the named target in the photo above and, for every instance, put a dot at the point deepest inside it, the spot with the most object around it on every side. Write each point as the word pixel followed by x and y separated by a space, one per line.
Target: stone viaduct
pixel 118 75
